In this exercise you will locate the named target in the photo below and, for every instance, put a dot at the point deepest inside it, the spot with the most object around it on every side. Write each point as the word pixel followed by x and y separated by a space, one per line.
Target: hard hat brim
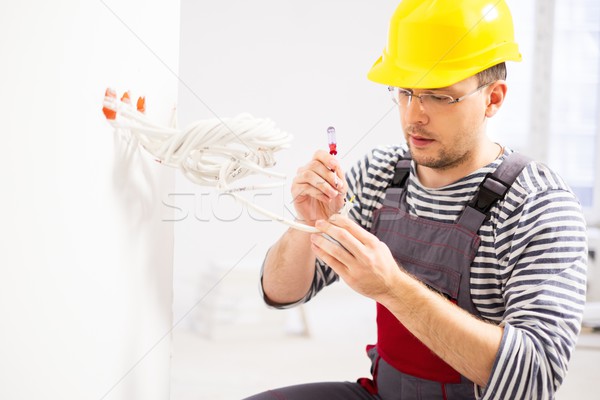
pixel 441 73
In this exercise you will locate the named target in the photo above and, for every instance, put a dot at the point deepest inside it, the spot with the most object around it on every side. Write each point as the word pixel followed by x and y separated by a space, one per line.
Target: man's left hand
pixel 364 262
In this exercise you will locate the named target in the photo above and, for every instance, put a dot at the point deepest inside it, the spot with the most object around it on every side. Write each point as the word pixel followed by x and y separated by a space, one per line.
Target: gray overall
pixel 438 254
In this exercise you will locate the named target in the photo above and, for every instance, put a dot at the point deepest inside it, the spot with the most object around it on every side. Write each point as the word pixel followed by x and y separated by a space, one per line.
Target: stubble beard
pixel 444 160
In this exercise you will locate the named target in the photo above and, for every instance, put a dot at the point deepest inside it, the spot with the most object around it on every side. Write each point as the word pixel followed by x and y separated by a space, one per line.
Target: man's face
pixel 442 135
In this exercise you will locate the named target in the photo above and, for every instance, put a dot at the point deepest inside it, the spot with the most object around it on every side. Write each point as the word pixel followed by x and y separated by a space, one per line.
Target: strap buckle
pixel 490 191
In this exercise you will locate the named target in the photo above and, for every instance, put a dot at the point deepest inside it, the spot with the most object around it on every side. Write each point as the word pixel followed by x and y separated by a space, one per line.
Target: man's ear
pixel 497 93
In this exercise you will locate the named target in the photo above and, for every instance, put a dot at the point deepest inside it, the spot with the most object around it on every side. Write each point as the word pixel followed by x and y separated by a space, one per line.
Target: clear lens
pixel 429 101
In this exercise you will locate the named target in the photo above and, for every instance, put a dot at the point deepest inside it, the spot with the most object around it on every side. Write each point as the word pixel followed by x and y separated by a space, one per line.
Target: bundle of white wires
pixel 213 152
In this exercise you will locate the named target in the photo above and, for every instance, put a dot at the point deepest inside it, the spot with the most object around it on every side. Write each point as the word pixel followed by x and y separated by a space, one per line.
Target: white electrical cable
pixel 212 152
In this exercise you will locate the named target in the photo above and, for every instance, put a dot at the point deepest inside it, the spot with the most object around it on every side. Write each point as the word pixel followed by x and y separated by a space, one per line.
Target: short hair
pixel 497 72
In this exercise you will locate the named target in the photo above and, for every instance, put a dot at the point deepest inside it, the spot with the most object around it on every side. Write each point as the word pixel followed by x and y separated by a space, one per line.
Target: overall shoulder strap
pixel 394 191
pixel 493 188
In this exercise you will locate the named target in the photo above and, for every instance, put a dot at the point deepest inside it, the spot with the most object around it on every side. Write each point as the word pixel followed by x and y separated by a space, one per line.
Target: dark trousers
pixel 391 385
pixel 318 391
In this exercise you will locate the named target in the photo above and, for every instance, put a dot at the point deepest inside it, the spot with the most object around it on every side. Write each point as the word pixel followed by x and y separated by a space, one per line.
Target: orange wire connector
pixel 126 98
pixel 111 107
pixel 141 104
pixel 109 96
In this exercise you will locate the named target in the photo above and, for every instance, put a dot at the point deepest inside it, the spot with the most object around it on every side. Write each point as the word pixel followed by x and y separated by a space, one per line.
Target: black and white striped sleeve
pixel 541 245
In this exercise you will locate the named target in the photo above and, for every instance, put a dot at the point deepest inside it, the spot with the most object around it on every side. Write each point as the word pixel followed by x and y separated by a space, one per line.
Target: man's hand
pixel 319 188
pixel 364 262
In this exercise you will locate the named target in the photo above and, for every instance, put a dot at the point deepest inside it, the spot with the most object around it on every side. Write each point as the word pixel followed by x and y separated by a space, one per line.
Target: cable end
pixel 141 104
pixel 126 98
pixel 109 108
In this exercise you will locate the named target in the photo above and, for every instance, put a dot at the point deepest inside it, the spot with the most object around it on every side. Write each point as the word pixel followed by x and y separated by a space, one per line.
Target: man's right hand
pixel 319 188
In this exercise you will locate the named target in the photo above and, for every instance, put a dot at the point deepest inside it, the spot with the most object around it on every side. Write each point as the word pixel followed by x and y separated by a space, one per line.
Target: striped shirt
pixel 529 273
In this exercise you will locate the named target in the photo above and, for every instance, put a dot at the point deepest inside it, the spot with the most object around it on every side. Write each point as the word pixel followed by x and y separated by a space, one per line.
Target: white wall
pixel 304 65
pixel 85 257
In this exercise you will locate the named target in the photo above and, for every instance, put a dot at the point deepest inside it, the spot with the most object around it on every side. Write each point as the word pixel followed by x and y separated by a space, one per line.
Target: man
pixel 474 254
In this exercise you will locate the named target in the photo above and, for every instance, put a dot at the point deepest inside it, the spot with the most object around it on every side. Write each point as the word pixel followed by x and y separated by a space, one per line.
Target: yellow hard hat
pixel 436 43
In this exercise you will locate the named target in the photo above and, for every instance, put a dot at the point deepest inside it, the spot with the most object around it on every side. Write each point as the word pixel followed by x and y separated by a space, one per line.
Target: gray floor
pixel 233 346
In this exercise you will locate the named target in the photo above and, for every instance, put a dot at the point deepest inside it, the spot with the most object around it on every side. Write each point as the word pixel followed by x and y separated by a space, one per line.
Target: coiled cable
pixel 213 152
